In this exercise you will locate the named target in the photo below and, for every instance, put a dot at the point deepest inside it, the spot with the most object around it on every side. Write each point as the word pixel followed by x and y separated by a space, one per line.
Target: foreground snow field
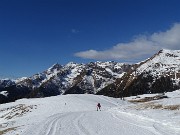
pixel 77 115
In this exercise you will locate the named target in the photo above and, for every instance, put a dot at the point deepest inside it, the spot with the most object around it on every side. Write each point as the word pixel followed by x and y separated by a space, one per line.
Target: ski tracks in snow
pixel 109 121
pixel 89 123
pixel 60 124
pixel 155 127
pixel 135 125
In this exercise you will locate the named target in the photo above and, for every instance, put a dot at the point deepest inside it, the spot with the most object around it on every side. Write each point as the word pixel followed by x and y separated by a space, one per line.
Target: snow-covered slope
pixel 166 62
pixel 77 115
pixel 37 79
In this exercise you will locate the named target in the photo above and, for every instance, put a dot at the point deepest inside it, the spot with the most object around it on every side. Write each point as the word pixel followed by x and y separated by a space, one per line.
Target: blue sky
pixel 34 34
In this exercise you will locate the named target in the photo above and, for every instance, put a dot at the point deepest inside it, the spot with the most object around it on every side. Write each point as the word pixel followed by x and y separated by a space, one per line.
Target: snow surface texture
pixel 77 115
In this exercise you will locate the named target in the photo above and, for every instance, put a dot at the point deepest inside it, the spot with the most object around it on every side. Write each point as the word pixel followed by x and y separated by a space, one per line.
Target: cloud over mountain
pixel 140 47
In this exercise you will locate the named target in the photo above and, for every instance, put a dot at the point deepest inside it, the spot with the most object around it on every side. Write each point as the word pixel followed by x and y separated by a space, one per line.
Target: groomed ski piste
pixel 77 115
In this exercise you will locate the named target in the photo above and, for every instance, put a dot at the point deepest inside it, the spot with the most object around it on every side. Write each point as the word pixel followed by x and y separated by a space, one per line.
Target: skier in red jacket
pixel 98 106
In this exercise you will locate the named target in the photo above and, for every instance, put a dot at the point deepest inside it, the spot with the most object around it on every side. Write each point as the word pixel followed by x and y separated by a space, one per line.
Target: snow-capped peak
pixel 71 64
pixel 164 61
pixel 55 67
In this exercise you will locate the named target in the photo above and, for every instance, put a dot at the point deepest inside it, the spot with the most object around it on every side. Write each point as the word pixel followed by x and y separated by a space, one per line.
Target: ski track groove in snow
pixel 82 130
pixel 136 125
pixel 54 124
pixel 160 128
pixel 60 124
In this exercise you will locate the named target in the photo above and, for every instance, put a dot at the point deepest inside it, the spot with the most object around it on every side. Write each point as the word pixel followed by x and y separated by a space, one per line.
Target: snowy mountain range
pixel 159 73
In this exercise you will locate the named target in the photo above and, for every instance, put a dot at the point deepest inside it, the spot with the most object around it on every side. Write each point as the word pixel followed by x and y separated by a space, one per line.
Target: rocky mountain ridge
pixel 160 73
pixel 70 78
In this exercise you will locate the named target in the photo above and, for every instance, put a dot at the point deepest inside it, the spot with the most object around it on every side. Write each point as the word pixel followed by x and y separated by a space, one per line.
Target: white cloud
pixel 141 47
pixel 169 39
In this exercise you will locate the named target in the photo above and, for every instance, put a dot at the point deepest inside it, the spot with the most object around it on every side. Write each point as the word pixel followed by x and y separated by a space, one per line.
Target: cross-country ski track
pixel 94 123
pixel 77 115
